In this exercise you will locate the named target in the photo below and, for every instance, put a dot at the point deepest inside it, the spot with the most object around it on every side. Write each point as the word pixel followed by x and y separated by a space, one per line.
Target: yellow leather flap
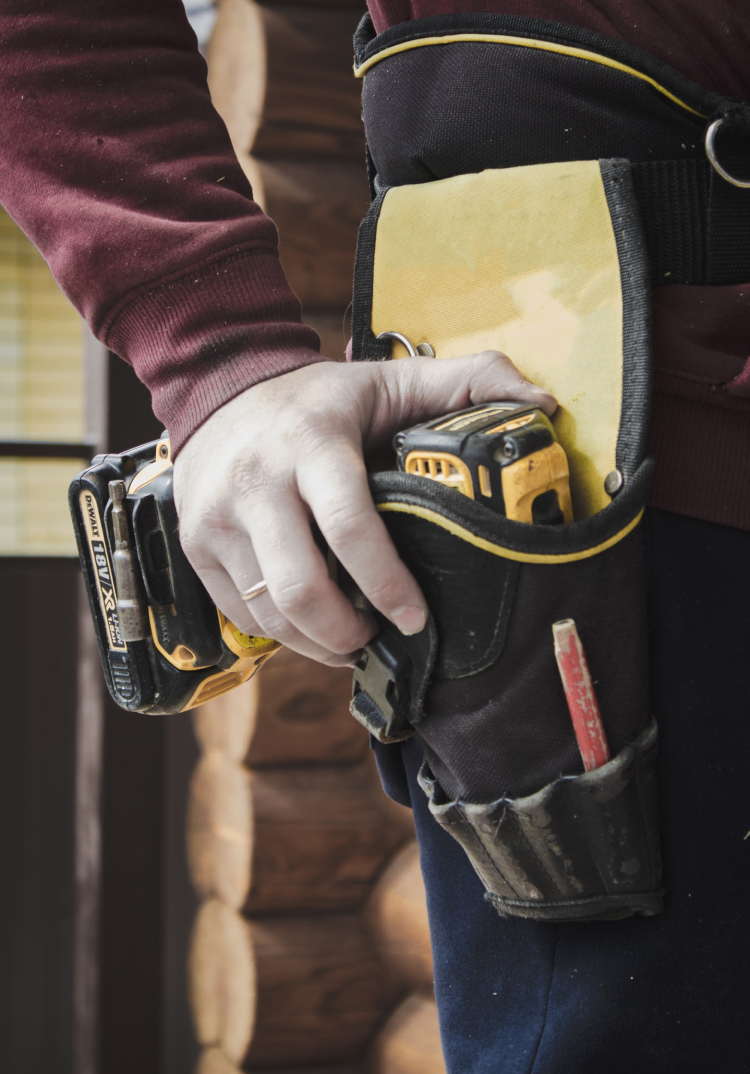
pixel 523 260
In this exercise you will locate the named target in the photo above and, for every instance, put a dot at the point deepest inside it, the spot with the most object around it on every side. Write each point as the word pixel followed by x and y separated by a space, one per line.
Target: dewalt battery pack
pixel 505 455
pixel 165 646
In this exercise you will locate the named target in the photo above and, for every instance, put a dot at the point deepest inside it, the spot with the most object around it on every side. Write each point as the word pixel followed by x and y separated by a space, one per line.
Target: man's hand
pixel 250 479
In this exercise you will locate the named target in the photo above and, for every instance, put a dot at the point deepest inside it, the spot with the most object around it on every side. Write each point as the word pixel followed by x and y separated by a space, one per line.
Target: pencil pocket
pixel 504 769
pixel 548 264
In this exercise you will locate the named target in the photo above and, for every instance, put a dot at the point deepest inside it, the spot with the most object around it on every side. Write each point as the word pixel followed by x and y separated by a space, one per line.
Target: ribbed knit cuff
pixel 200 338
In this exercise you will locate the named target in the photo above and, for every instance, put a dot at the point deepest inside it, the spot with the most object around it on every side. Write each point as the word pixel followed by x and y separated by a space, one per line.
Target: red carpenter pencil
pixel 579 693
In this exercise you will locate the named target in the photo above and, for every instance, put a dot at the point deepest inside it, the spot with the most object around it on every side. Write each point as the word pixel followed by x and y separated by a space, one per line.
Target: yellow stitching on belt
pixel 523 42
pixel 498 550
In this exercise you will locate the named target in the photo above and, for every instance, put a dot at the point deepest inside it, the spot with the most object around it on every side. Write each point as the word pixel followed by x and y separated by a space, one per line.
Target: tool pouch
pixel 547 263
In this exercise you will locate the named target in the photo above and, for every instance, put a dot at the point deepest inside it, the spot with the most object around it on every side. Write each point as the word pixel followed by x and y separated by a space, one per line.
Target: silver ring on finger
pixel 254 591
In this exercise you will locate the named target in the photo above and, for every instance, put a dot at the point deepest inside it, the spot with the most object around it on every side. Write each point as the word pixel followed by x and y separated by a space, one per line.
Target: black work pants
pixel 644 995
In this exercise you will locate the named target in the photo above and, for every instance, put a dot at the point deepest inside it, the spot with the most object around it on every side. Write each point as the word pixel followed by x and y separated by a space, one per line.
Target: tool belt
pixel 528 207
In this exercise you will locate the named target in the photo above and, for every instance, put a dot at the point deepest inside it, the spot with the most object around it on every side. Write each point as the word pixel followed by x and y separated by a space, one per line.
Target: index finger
pixel 343 508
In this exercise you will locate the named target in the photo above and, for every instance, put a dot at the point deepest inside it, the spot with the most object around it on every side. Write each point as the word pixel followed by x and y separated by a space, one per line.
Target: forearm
pixel 119 169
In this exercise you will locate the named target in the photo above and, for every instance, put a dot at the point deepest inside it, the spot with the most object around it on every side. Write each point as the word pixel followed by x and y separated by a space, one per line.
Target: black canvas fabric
pixel 434 112
pixel 669 193
pixel 506 730
pixel 495 717
pixel 422 121
pixel 367 43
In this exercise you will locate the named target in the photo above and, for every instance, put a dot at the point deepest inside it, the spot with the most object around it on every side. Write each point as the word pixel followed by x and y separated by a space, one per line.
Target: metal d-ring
pixel 711 133
pixel 423 350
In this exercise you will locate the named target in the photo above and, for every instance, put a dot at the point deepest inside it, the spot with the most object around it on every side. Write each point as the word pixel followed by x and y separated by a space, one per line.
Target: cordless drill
pixel 165 646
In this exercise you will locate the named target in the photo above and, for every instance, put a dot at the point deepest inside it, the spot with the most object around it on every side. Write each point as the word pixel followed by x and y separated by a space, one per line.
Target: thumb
pixel 416 389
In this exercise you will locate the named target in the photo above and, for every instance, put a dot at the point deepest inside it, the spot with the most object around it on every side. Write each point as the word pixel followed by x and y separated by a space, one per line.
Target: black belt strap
pixel 697 225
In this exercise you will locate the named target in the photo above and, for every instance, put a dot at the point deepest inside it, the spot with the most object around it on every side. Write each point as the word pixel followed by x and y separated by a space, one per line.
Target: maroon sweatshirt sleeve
pixel 118 168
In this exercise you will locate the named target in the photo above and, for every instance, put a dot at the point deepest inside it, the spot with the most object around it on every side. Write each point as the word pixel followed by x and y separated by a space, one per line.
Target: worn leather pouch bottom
pixel 582 848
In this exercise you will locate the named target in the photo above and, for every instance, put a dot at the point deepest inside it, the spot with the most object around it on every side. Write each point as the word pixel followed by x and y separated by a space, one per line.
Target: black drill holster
pixel 528 207
pixel 481 689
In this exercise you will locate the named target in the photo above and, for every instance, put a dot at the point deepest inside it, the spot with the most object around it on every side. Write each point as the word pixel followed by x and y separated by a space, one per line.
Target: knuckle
pixel 273 625
pixel 395 379
pixel 247 475
pixel 294 597
pixel 202 534
pixel 343 524
pixel 195 547
pixel 338 660
pixel 343 641
pixel 305 601
pixel 496 360
pixel 386 592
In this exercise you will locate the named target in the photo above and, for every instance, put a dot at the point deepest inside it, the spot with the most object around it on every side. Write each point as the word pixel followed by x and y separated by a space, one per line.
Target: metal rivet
pixel 613 482
pixel 163 450
pixel 426 350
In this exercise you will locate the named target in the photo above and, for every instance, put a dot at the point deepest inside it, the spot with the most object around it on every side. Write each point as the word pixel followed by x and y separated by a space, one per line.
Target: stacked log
pixel 310 952
pixel 221 963
pixel 312 930
pixel 281 78
pixel 396 914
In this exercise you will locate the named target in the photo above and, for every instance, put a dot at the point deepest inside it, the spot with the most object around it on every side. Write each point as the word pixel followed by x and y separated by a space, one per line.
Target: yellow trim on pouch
pixel 522 260
pixel 497 549
pixel 524 42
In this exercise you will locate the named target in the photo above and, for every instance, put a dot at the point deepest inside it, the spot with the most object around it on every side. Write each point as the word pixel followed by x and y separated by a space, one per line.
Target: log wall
pixel 310 952
pixel 281 77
